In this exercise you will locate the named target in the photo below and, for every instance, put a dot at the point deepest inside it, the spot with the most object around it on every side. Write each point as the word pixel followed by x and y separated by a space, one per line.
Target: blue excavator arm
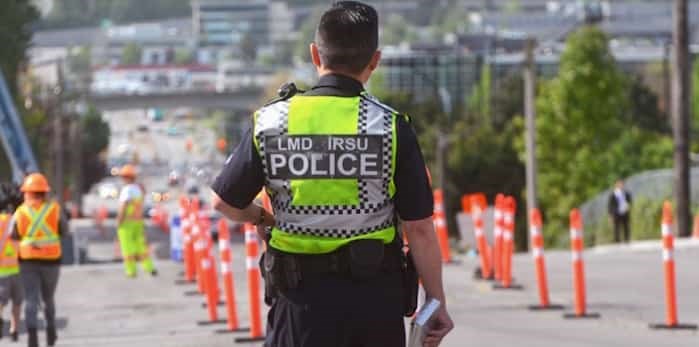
pixel 14 139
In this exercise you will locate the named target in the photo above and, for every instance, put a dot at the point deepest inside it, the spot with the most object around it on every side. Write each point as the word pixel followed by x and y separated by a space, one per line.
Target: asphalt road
pixel 97 305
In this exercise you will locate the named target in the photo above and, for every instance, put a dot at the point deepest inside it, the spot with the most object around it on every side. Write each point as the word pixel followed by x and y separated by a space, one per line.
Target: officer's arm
pixel 425 250
pixel 121 212
pixel 253 214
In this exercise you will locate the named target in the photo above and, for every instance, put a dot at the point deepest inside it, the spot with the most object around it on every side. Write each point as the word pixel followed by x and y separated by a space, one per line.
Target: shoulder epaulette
pixel 286 91
pixel 375 101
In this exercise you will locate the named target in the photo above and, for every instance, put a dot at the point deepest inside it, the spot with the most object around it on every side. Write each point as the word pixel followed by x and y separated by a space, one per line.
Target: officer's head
pixel 347 40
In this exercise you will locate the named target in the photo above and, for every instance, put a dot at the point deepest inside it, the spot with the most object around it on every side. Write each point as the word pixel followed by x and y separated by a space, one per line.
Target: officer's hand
pixel 441 325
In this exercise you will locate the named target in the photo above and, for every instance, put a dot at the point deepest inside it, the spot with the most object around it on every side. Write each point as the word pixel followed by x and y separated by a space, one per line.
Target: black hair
pixel 348 36
pixel 10 197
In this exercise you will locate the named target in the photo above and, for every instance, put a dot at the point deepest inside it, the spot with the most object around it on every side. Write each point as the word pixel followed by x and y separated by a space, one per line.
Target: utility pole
pixel 530 124
pixel 680 115
pixel 58 132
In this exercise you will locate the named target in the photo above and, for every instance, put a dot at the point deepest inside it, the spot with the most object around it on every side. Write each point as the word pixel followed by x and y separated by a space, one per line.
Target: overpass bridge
pixel 244 100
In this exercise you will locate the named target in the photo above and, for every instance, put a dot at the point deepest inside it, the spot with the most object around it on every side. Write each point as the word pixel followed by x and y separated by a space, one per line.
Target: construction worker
pixel 39 225
pixel 340 169
pixel 10 282
pixel 131 226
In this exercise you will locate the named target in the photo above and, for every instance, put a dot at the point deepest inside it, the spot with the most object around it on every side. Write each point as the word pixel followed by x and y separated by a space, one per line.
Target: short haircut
pixel 348 36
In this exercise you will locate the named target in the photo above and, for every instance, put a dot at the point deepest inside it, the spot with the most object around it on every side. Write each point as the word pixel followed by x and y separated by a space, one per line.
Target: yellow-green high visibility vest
pixel 9 265
pixel 329 164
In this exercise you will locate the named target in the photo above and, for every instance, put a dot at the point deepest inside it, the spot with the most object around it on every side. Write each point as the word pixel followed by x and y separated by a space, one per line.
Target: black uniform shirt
pixel 242 177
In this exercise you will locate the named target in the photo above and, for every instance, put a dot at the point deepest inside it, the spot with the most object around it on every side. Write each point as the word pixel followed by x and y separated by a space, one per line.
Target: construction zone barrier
pixel 440 224
pixel 669 265
pixel 477 209
pixel 695 228
pixel 577 246
pixel 253 269
pixel 224 247
pixel 508 244
pixel 537 246
pixel 497 236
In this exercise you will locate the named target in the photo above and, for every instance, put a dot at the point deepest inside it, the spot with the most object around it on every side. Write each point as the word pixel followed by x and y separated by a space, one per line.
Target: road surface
pixel 98 306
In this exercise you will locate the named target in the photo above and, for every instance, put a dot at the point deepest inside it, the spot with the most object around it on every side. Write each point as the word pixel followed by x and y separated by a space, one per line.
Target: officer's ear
pixel 315 55
pixel 374 62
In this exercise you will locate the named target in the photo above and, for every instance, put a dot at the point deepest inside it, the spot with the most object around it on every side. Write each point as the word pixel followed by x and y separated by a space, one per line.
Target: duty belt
pixel 339 262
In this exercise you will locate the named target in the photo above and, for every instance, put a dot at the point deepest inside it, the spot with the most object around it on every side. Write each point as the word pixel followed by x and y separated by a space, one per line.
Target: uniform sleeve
pixel 413 199
pixel 126 194
pixel 242 176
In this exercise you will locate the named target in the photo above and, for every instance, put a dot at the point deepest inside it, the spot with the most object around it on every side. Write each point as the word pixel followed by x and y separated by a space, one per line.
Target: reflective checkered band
pixel 576 256
pixel 667 254
pixel 226 268
pixel 537 252
pixel 375 209
pixel 665 229
pixel 336 233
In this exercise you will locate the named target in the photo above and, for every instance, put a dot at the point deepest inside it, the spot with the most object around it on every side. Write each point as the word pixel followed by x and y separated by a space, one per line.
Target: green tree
pixel 96 134
pixel 16 18
pixel 307 34
pixel 395 30
pixel 584 139
pixel 695 99
pixel 248 48
pixel 184 56
pixel 131 54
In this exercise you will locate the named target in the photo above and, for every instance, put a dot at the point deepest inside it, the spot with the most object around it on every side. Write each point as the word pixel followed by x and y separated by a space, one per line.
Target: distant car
pixel 160 195
pixel 173 178
pixel 108 190
pixel 174 131
pixel 142 128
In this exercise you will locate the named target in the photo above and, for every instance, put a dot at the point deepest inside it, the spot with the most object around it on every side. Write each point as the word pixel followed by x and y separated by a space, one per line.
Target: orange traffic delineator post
pixel 187 247
pixel 224 246
pixel 253 269
pixel 695 228
pixel 508 232
pixel 208 266
pixel 481 242
pixel 576 246
pixel 669 264
pixel 440 224
pixel 497 236
pixel 537 241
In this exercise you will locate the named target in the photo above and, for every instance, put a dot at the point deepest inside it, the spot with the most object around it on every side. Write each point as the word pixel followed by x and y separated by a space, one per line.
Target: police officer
pixel 39 224
pixel 341 169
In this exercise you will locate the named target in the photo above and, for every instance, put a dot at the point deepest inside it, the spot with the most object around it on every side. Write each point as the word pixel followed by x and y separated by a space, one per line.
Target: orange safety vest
pixel 38 231
pixel 8 248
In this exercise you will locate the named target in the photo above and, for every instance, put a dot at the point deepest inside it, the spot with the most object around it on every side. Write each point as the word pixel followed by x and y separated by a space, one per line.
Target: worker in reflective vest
pixel 10 283
pixel 131 227
pixel 38 228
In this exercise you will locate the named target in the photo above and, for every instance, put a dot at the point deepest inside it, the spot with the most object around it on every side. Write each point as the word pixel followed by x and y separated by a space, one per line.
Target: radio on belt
pixel 324 156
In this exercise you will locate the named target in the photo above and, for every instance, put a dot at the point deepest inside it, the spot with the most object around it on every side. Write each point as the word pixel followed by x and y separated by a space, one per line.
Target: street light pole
pixel 530 120
pixel 58 132
pixel 680 114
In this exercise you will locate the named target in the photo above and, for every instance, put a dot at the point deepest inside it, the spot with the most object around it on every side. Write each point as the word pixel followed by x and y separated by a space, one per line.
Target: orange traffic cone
pixel 208 267
pixel 537 241
pixel 440 224
pixel 508 247
pixel 251 250
pixel 695 229
pixel 497 236
pixel 481 242
pixel 224 247
pixel 577 246
pixel 669 262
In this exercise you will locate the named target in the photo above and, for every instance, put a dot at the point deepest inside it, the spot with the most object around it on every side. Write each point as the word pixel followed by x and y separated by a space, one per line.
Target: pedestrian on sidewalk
pixel 131 228
pixel 10 282
pixel 39 224
pixel 341 168
pixel 619 207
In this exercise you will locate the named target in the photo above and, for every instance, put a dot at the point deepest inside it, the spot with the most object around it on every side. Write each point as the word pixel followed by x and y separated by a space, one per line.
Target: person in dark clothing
pixel 619 207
